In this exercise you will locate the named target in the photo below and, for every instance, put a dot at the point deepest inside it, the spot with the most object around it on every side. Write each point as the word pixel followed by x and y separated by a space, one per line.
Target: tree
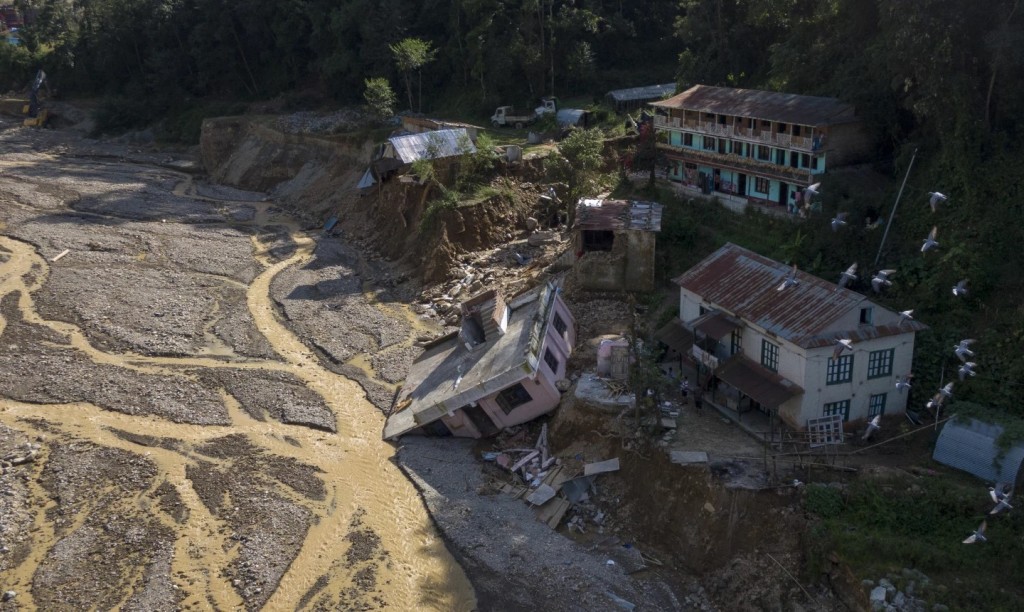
pixel 411 54
pixel 579 164
pixel 380 97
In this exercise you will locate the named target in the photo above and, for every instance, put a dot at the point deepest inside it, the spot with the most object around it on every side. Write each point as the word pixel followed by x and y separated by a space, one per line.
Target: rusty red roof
pixel 766 105
pixel 599 214
pixel 746 285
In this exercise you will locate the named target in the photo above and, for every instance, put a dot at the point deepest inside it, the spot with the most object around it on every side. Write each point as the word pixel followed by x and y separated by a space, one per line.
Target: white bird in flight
pixel 935 404
pixel 873 425
pixel 961 349
pixel 929 242
pixel 903 382
pixel 947 391
pixel 960 289
pixel 839 220
pixel 849 275
pixel 790 281
pixel 811 191
pixel 978 535
pixel 881 280
pixel 842 345
pixel 1001 498
pixel 967 369
pixel 935 198
pixel 906 315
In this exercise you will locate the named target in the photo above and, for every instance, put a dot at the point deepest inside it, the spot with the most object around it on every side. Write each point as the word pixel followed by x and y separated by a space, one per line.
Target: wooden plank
pixel 524 460
pixel 556 518
pixel 540 495
pixel 610 465
pixel 62 254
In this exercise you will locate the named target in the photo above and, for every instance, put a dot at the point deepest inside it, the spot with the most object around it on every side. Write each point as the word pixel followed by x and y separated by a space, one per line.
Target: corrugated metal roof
pixel 767 105
pixel 754 380
pixel 569 116
pixel 647 92
pixel 432 145
pixel 745 284
pixel 715 324
pixel 971 446
pixel 674 335
pixel 597 214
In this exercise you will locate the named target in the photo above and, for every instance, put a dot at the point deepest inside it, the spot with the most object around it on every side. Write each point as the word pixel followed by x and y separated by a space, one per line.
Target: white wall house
pixel 774 347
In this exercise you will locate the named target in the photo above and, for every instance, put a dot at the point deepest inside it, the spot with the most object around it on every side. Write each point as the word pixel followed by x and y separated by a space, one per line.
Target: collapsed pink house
pixel 497 371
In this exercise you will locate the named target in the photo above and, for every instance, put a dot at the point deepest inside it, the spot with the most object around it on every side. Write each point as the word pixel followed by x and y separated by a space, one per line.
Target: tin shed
pixel 971 446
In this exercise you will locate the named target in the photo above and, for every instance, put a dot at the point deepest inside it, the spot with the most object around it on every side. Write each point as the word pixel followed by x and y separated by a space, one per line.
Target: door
pixel 741 184
pixel 481 420
pixel 783 194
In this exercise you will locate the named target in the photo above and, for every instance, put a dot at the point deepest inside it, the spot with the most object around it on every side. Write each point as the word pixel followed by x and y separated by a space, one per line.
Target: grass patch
pixel 882 526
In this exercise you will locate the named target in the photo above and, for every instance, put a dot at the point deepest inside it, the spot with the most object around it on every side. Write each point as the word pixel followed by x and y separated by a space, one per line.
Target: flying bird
pixel 790 280
pixel 906 315
pixel 1001 497
pixel 903 382
pixel 842 345
pixel 869 224
pixel 967 369
pixel 947 391
pixel 810 191
pixel 935 198
pixel 873 425
pixel 849 275
pixel 839 220
pixel 929 242
pixel 978 535
pixel 960 289
pixel 962 351
pixel 881 280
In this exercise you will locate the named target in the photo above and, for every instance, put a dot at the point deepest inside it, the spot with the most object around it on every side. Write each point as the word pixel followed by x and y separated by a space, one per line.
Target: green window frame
pixel 736 342
pixel 841 407
pixel 880 363
pixel 839 370
pixel 770 355
pixel 876 404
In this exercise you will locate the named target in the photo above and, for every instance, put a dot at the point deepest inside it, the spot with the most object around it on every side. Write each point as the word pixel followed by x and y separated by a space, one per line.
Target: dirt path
pixel 234 506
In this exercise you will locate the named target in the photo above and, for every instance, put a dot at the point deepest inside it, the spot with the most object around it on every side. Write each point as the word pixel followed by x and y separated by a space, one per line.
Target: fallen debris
pixel 610 465
pixel 61 254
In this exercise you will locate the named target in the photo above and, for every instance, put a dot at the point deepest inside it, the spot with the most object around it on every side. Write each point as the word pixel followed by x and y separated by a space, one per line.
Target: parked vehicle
pixel 505 116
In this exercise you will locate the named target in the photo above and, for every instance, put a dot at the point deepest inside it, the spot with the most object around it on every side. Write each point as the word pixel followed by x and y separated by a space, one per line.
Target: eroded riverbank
pixel 192 451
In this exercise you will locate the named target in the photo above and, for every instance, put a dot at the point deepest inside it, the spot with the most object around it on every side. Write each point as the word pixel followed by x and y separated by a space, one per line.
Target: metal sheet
pixel 971 446
pixel 765 105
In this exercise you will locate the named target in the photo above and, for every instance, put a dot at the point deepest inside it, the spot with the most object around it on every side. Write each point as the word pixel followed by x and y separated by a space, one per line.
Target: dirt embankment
pixel 316 177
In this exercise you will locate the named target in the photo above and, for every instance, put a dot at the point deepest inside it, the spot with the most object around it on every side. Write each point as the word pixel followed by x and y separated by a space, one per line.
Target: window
pixel 814 163
pixel 880 363
pixel 559 324
pixel 780 157
pixel 709 143
pixel 512 397
pixel 782 128
pixel 721 120
pixel 842 408
pixel 805 160
pixel 760 184
pixel 876 404
pixel 701 311
pixel 770 355
pixel 750 123
pixel 839 370
pixel 764 153
pixel 736 344
pixel 597 240
pixel 765 124
pixel 688 140
pixel 796 130
pixel 865 316
pixel 551 360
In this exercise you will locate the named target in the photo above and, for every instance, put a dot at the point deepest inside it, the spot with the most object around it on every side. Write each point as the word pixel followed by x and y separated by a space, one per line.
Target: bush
pixel 119 115
pixel 824 501
pixel 16 67
pixel 185 125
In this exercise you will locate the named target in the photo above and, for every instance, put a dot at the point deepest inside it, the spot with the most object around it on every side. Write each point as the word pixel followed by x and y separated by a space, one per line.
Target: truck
pixel 505 116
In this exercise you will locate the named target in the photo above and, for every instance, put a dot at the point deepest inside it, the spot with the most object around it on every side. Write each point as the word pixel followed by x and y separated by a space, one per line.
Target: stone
pixel 899 600
pixel 909 589
pixel 531 224
pixel 868 583
pixel 9 595
pixel 542 237
pixel 877 596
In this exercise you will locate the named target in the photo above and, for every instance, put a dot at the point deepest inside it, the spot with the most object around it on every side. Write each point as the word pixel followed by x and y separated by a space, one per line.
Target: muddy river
pixel 224 502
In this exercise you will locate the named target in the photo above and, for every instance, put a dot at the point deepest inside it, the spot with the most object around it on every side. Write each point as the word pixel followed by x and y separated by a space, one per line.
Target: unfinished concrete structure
pixel 614 241
pixel 499 370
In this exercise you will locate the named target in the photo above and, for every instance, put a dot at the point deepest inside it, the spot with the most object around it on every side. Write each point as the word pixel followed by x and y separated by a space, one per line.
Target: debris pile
pixel 307 122
pixel 908 591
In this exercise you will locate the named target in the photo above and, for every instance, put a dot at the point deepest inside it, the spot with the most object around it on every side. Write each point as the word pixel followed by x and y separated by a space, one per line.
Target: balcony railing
pixel 739 163
pixel 800 143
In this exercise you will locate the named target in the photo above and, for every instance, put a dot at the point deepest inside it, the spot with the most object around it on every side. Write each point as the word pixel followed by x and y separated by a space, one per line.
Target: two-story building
pixel 772 348
pixel 500 369
pixel 761 146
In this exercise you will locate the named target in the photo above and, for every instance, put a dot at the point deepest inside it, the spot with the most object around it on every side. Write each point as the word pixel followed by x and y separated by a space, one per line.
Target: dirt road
pixel 168 442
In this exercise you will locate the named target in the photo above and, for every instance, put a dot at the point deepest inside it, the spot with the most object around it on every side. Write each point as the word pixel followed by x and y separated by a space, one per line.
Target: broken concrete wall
pixel 629 266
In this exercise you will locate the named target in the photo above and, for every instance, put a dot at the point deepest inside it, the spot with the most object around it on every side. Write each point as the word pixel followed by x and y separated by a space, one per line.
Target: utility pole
pixel 894 206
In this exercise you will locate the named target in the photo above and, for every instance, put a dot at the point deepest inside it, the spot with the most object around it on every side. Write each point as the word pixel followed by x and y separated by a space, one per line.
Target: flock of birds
pixel 1000 494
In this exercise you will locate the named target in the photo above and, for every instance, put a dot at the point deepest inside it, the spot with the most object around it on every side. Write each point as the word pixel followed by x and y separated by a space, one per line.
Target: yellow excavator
pixel 37 115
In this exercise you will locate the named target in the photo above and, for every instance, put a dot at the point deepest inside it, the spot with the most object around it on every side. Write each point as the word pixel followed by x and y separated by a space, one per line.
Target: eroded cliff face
pixel 316 177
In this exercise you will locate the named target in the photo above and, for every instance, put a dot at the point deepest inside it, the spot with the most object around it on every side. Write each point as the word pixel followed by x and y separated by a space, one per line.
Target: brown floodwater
pixel 356 464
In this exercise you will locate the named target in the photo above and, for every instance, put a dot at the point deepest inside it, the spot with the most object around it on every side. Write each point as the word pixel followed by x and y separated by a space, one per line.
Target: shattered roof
pixel 746 285
pixel 647 92
pixel 766 105
pixel 448 376
pixel 432 145
pixel 597 214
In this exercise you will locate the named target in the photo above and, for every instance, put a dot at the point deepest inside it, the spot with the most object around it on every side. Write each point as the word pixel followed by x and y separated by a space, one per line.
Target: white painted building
pixel 772 349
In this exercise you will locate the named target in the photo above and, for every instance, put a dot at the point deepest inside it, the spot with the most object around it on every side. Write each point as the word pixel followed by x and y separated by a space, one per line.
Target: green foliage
pixel 16 66
pixel 578 164
pixel 380 97
pixel 184 125
pixel 824 501
pixel 411 54
pixel 1013 426
pixel 117 115
pixel 447 200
